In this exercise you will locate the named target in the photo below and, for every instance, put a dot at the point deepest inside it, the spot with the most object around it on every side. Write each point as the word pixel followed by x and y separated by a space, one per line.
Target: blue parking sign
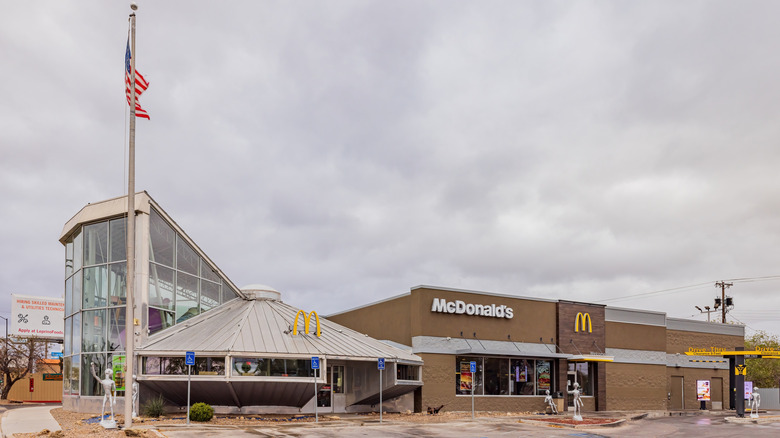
pixel 315 363
pixel 189 358
pixel 380 363
pixel 473 367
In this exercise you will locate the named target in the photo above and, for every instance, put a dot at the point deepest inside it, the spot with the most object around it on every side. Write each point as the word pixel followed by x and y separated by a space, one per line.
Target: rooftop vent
pixel 261 292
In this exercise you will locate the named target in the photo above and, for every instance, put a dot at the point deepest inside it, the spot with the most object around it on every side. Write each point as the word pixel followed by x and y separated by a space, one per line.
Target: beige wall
pixel 532 319
pixel 43 390
pixel 635 336
pixel 636 386
pixel 690 376
pixel 679 341
pixel 386 320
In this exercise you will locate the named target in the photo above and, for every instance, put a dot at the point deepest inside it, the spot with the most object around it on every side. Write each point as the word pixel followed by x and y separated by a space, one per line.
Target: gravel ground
pixel 74 425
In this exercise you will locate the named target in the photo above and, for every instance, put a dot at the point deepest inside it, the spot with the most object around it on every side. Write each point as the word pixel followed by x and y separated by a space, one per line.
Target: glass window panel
pixel 187 259
pixel 174 366
pixel 118 240
pixel 161 240
pixel 159 320
pixel 543 376
pixel 69 296
pixel 116 329
pixel 186 297
pixel 209 366
pixel 117 284
pixel 93 365
pixel 78 250
pixel 522 377
pixel 406 372
pixel 66 375
pixel 496 376
pixel 75 366
pixel 583 375
pixel 208 273
pixel 152 366
pixel 96 244
pixel 93 331
pixel 77 285
pixel 228 294
pixel 338 380
pixel 68 259
pixel 95 287
pixel 66 339
pixel 209 295
pixel 76 343
pixel 160 286
pixel 464 378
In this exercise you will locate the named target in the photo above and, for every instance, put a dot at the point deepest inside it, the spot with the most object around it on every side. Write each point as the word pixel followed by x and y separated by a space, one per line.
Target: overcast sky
pixel 344 152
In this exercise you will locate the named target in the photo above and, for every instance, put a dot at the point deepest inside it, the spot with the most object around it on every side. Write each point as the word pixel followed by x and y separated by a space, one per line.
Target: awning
pixel 591 358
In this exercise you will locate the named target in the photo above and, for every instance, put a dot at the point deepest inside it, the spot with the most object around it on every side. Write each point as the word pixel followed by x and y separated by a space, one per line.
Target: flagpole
pixel 129 313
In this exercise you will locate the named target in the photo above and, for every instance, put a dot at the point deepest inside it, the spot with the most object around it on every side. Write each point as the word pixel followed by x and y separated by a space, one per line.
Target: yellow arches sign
pixel 306 322
pixel 581 320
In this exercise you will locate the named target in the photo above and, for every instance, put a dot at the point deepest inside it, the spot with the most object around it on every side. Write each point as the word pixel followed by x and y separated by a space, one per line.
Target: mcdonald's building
pixel 254 353
pixel 622 359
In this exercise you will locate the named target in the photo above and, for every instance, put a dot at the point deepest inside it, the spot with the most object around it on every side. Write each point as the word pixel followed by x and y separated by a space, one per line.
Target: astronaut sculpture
pixel 550 402
pixel 755 402
pixel 109 390
pixel 577 400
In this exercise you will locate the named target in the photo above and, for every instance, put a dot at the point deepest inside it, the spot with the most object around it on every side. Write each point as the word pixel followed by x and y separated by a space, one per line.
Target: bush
pixel 154 407
pixel 201 412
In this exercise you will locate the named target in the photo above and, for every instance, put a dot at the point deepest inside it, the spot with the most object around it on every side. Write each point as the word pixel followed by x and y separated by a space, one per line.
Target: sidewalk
pixel 28 420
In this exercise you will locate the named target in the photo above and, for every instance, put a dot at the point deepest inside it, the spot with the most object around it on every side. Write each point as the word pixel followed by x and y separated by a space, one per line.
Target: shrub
pixel 201 412
pixel 154 407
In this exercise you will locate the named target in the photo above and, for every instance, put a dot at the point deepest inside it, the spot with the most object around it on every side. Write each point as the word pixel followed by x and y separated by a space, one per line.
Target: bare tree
pixel 17 360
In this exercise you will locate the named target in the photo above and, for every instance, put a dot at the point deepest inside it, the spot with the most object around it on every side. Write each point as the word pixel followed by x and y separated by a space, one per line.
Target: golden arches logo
pixel 306 322
pixel 580 321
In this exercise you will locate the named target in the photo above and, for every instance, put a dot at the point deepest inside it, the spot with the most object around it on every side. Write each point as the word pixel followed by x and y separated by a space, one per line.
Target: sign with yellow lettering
pixel 581 320
pixel 740 369
pixel 306 322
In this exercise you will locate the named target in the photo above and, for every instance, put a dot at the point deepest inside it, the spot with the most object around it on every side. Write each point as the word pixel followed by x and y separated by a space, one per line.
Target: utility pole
pixel 722 285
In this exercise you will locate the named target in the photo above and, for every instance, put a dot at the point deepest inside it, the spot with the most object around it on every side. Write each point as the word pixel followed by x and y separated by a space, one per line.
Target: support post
pixel 740 384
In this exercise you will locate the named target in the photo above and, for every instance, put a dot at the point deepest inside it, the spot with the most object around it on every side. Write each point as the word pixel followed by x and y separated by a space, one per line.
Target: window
pixel 503 376
pixel 583 372
pixel 255 366
pixel 407 372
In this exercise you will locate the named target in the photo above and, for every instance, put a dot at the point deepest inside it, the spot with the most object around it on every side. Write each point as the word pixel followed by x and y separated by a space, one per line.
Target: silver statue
pixel 577 400
pixel 549 400
pixel 109 390
pixel 755 402
pixel 135 394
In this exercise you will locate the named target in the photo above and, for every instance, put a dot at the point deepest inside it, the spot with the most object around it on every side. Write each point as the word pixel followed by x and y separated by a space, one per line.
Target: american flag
pixel 140 85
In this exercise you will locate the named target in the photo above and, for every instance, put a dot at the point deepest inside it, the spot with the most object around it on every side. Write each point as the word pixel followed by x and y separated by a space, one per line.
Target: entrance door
pixel 571 377
pixel 676 394
pixel 339 398
pixel 717 393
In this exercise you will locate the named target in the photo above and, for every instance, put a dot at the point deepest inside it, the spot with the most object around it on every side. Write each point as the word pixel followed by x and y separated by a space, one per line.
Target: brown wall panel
pixel 580 341
pixel 636 336
pixel 690 376
pixel 636 386
pixel 679 341
pixel 386 320
pixel 532 319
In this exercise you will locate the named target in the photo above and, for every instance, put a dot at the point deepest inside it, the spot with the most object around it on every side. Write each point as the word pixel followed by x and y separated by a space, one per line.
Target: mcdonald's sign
pixel 581 320
pixel 306 322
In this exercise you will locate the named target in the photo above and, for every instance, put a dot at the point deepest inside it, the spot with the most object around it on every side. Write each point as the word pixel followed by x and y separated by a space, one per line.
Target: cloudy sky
pixel 344 152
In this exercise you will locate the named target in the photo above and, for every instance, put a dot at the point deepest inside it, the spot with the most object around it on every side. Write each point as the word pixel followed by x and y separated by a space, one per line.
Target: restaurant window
pixel 260 366
pixel 543 377
pixel 496 376
pixel 407 372
pixel 522 377
pixel 464 378
pixel 503 376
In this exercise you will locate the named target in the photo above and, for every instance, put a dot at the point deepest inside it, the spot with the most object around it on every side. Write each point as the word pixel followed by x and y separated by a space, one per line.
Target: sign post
pixel 189 360
pixel 315 365
pixel 473 368
pixel 380 364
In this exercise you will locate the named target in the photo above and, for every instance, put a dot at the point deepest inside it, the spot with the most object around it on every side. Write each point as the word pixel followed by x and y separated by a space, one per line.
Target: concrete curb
pixel 616 423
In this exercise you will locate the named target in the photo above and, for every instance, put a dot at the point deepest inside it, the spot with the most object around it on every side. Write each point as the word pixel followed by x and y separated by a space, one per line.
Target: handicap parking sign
pixel 473 367
pixel 380 363
pixel 315 363
pixel 189 358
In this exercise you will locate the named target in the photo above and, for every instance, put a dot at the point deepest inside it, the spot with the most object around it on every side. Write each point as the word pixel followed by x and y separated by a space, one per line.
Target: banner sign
pixel 37 316
pixel 52 376
pixel 118 366
pixel 703 390
pixel 748 390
